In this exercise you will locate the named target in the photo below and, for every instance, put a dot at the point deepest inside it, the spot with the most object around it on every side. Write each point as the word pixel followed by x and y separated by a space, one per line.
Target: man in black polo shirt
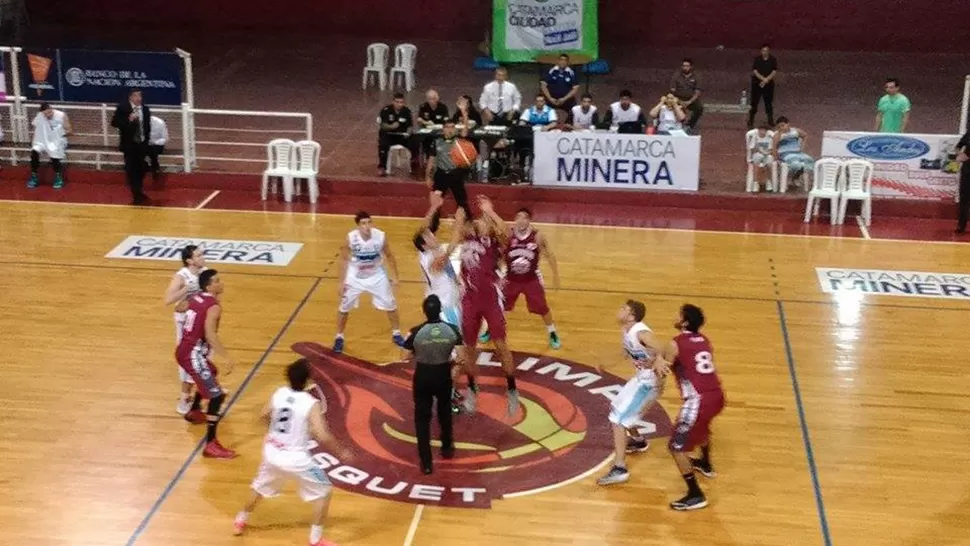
pixel 431 112
pixel 396 122
pixel 763 73
pixel 686 87
pixel 431 344
pixel 441 174
pixel 560 85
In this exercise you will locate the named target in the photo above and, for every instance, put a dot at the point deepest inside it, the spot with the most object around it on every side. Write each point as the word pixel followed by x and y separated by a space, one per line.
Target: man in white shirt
pixel 584 116
pixel 625 115
pixel 51 128
pixel 500 101
pixel 156 144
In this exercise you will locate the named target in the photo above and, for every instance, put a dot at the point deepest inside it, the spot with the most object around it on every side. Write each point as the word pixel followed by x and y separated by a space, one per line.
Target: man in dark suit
pixel 133 121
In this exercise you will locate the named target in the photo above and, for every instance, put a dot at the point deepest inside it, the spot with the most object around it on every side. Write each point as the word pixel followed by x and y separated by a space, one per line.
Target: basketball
pixel 463 154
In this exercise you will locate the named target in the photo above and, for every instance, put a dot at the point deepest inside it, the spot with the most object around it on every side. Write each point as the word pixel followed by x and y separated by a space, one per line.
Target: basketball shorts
pixel 693 426
pixel 202 372
pixel 184 376
pixel 379 288
pixel 312 481
pixel 532 289
pixel 482 306
pixel 633 400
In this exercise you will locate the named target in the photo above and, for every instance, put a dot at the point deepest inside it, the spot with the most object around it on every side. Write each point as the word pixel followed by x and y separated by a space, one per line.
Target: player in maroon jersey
pixel 481 242
pixel 200 339
pixel 522 276
pixel 703 399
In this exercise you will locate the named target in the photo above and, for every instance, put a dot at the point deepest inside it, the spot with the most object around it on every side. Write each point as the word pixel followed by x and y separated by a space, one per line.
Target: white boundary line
pixel 206 201
pixel 409 539
pixel 863 228
pixel 574 479
pixel 349 218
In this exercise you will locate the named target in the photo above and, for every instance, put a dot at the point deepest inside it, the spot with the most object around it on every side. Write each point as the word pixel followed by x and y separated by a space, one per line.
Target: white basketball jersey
pixel 288 442
pixel 366 257
pixel 443 284
pixel 640 355
pixel 583 120
pixel 192 282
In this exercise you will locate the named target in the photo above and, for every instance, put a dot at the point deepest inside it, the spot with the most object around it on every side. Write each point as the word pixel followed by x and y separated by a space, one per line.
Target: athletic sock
pixel 340 336
pixel 316 533
pixel 210 431
pixel 693 489
pixel 705 455
pixel 395 332
pixel 242 516
pixel 551 328
pixel 510 382
pixel 196 402
pixel 183 398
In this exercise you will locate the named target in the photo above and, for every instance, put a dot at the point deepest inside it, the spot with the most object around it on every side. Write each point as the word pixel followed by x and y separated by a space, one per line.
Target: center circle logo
pixel 74 77
pixel 560 435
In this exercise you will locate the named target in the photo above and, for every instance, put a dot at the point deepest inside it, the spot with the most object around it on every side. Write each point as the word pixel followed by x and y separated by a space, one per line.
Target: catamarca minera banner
pixel 525 29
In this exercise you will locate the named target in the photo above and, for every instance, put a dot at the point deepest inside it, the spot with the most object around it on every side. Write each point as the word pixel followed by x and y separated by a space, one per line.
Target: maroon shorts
pixel 693 426
pixel 203 372
pixel 478 306
pixel 532 289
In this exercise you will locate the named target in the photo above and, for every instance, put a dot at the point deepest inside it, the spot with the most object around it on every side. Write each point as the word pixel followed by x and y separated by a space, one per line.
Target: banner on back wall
pixel 908 166
pixel 524 29
pixel 607 160
pixel 78 75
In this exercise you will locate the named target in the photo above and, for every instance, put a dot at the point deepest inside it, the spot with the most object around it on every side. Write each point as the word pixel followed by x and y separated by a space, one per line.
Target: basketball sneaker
pixel 58 182
pixel 214 450
pixel 513 401
pixel 32 181
pixel 704 467
pixel 689 503
pixel 485 337
pixel 239 525
pixel 554 340
pixel 398 340
pixel 457 401
pixel 183 406
pixel 617 474
pixel 338 345
pixel 323 542
pixel 635 445
pixel 470 400
pixel 196 417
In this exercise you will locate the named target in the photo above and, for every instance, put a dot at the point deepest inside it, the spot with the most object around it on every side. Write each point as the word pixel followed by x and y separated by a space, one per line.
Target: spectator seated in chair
pixel 584 116
pixel 788 145
pixel 625 115
pixel 395 130
pixel 539 117
pixel 432 112
pixel 668 116
pixel 760 153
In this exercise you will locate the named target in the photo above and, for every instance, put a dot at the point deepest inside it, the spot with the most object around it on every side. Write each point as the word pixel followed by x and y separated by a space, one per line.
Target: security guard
pixel 431 344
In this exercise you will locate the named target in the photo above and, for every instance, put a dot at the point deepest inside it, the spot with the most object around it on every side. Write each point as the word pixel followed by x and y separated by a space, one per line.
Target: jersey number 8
pixel 704 362
pixel 282 422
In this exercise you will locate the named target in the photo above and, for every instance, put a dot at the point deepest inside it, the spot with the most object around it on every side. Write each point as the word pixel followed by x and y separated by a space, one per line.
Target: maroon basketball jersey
pixel 193 332
pixel 479 263
pixel 522 256
pixel 694 365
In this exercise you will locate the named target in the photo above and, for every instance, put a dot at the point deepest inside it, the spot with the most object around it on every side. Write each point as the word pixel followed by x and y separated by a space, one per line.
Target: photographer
pixel 668 115
pixel 430 344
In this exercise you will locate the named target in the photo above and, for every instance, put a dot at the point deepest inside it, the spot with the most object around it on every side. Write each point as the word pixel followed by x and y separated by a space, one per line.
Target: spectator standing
pixel 156 144
pixel 687 88
pixel 500 101
pixel 763 73
pixel 395 130
pixel 625 115
pixel 668 114
pixel 892 111
pixel 963 150
pixel 560 86
pixel 584 116
pixel 133 121
pixel 51 128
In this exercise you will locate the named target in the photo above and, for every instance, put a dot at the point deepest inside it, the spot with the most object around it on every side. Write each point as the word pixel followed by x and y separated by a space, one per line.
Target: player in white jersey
pixel 639 393
pixel 185 283
pixel 440 273
pixel 366 265
pixel 296 420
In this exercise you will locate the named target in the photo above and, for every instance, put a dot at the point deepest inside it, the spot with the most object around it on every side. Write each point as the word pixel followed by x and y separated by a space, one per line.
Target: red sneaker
pixel 214 450
pixel 323 542
pixel 196 417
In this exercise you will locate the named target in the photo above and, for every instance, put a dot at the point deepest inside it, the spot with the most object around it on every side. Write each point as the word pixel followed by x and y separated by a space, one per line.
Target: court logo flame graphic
pixel 560 435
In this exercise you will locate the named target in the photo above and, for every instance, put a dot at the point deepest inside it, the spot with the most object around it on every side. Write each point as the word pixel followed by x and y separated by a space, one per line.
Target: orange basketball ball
pixel 463 154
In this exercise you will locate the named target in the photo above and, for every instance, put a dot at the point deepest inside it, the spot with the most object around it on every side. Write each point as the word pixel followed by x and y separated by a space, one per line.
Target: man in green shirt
pixel 892 112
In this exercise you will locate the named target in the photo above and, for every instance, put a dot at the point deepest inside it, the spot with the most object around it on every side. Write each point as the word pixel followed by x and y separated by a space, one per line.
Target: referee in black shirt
pixel 431 112
pixel 431 345
pixel 442 174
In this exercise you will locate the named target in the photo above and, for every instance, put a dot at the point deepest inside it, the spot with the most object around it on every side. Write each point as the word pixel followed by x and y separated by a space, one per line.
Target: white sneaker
pixel 183 407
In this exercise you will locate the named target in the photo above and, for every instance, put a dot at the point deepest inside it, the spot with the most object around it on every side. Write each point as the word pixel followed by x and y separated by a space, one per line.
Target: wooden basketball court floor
pixel 846 421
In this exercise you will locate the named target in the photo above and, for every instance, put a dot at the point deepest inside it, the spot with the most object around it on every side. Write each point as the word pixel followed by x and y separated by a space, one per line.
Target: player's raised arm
pixel 459 231
pixel 320 433
pixel 550 257
pixel 212 335
pixel 177 290
pixel 391 262
pixel 344 260
pixel 495 223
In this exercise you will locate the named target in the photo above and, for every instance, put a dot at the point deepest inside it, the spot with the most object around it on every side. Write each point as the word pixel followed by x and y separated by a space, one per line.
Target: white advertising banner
pixel 609 160
pixel 908 166
pixel 881 282
pixel 223 251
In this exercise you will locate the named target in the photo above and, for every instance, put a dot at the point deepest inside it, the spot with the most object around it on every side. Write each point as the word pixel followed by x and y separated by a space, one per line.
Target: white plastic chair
pixel 405 59
pixel 752 184
pixel 784 177
pixel 398 156
pixel 377 57
pixel 306 167
pixel 857 182
pixel 826 184
pixel 280 154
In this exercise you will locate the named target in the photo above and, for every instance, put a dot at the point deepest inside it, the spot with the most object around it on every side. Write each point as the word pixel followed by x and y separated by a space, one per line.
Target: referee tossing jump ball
pixel 449 163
